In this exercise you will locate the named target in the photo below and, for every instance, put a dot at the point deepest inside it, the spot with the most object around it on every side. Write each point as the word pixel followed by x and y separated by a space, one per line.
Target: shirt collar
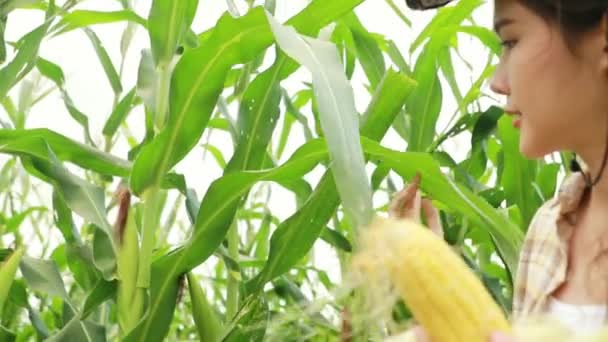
pixel 571 193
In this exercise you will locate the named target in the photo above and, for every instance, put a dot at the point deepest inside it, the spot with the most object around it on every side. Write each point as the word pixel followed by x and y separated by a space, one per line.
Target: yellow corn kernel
pixel 444 295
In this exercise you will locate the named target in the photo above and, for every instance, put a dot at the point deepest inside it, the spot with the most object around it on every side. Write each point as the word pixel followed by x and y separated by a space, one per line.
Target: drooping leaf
pixel 106 61
pixel 23 61
pixel 77 330
pixel 43 276
pixel 53 72
pixel 35 141
pixel 340 121
pixel 85 18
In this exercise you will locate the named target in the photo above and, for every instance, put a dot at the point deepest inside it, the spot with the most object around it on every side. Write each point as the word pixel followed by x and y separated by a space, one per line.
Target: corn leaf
pixel 8 271
pixel 198 79
pixel 340 121
pixel 518 173
pixel 53 72
pixel 23 61
pixel 34 142
pixel 119 114
pixel 367 50
pixel 85 18
pixel 106 61
pixel 321 206
pixel 168 22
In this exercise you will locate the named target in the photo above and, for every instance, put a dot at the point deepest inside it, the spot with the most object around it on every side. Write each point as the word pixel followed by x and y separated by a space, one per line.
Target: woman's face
pixel 558 94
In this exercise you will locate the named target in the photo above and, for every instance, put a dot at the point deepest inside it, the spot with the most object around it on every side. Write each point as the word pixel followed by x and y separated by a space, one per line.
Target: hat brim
pixel 422 5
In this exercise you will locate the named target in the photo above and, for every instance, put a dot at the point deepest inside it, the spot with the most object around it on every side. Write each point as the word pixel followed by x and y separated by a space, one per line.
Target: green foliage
pixel 274 106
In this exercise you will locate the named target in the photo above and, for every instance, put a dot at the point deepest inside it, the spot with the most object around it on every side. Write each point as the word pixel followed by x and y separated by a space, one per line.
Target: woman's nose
pixel 499 83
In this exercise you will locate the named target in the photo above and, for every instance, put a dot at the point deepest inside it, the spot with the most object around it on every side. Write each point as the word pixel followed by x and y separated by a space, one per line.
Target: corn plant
pixel 118 243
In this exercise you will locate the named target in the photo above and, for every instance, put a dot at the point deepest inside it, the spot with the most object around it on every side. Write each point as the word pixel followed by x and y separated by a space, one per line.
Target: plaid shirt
pixel 543 259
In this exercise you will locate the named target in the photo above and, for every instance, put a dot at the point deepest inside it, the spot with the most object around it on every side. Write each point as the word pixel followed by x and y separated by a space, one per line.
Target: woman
pixel 554 74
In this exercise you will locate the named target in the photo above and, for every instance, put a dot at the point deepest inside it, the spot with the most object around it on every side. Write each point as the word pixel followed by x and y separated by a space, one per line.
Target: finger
pixel 420 334
pixel 501 337
pixel 431 215
pixel 401 201
pixel 412 209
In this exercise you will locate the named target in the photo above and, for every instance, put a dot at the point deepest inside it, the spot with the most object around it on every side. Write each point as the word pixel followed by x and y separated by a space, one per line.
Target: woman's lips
pixel 516 117
pixel 517 121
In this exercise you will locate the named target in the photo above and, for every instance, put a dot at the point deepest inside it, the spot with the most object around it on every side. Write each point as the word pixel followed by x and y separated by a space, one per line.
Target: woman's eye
pixel 508 43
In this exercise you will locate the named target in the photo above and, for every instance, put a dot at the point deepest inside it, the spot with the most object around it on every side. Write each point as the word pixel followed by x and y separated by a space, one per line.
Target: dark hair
pixel 574 17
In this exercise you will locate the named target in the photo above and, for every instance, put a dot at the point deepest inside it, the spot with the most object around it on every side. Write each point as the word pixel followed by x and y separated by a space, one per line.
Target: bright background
pixel 92 94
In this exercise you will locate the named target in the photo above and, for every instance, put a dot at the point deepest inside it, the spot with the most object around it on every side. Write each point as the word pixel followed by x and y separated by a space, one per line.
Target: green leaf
pixel 64 220
pixel 250 322
pixel 17 294
pixel 106 61
pixel 449 17
pixel 316 15
pixel 84 18
pixel 256 121
pixel 197 82
pixel 103 291
pixel 120 113
pixel 53 72
pixel 10 5
pixel 80 261
pixel 23 61
pixel 342 36
pixel 447 67
pixel 368 53
pixel 8 272
pixel 2 41
pixel 217 154
pixel 290 242
pixel 485 35
pixel 34 142
pixel 104 256
pixel 146 80
pixel 518 173
pixel 7 335
pixel 77 330
pixel 336 239
pixel 339 120
pixel 424 104
pixel 168 23
pixel 83 198
pixel 205 317
pixel 43 276
pixel 16 220
pixel 546 178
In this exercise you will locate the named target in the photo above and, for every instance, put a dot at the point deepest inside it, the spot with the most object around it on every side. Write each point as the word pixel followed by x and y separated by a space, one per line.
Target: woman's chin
pixel 530 150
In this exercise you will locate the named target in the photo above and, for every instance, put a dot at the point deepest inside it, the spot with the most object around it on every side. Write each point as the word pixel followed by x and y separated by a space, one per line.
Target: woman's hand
pixel 407 204
pixel 421 336
pixel 501 337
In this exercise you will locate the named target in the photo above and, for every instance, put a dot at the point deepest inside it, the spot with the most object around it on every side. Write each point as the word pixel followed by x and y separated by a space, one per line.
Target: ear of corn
pixel 8 270
pixel 129 298
pixel 444 295
pixel 208 325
